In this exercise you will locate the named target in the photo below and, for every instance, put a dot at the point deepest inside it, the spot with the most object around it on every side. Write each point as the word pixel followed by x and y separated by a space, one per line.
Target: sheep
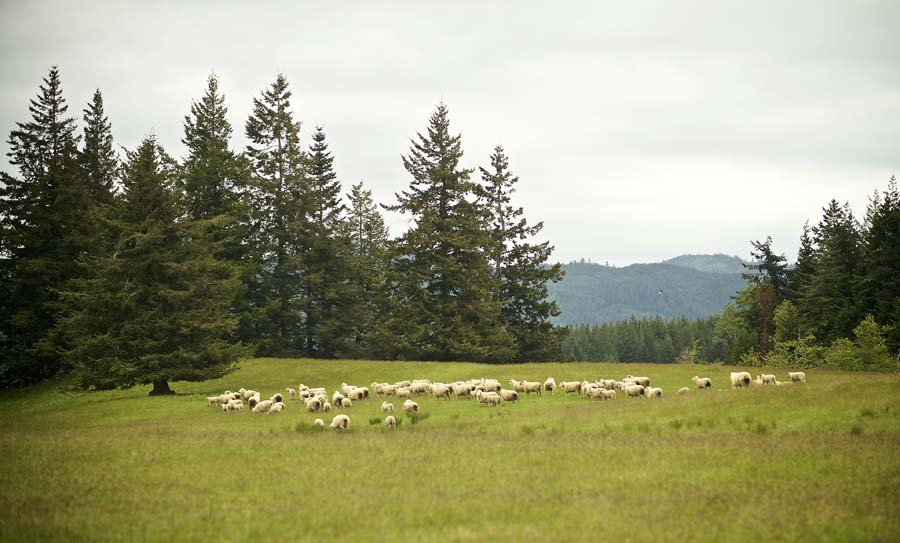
pixel 797 376
pixel 767 378
pixel 387 407
pixel 461 390
pixel 633 391
pixel 682 391
pixel 390 421
pixel 277 398
pixel 491 385
pixel 509 395
pixel 419 387
pixel 518 386
pixel 740 379
pixel 304 394
pixel 532 386
pixel 237 406
pixel 403 384
pixel 389 390
pixel 651 392
pixel 326 407
pixel 313 405
pixel 702 382
pixel 571 386
pixel 291 392
pixel 403 393
pixel 336 398
pixel 346 403
pixel 356 394
pixel 643 381
pixel 594 393
pixel 410 406
pixel 340 421
pixel 376 386
pixel 319 423
pixel 277 407
pixel 782 383
pixel 550 385
pixel 490 398
pixel 441 391
pixel 263 406
pixel 608 394
pixel 608 384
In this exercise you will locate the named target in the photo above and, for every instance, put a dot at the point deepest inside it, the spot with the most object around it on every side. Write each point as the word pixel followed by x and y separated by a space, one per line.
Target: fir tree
pixel 98 158
pixel 278 222
pixel 44 226
pixel 157 309
pixel 442 285
pixel 520 268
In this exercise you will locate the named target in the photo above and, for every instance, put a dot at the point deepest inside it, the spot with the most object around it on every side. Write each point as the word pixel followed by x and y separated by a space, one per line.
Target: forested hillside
pixel 592 293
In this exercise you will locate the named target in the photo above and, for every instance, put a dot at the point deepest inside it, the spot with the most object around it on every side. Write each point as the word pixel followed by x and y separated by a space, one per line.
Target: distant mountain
pixel 717 263
pixel 591 293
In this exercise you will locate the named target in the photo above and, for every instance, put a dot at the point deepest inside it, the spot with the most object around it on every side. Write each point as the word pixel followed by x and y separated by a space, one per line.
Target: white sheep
pixel 594 393
pixel 237 407
pixel 651 392
pixel 277 407
pixel 263 406
pixel 441 391
pixel 608 394
pixel 632 391
pixel 403 393
pixel 336 398
pixel 340 421
pixel 319 423
pixel 702 382
pixel 313 405
pixel 508 395
pixel 682 391
pixel 571 386
pixel 410 406
pixel 326 407
pixel 550 385
pixel 490 398
pixel 387 407
pixel 291 392
pixel 390 421
pixel 797 376
pixel 346 403
pixel 532 386
pixel 767 378
pixel 740 379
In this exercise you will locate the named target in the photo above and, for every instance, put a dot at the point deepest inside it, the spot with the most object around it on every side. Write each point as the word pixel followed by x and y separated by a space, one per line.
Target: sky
pixel 639 130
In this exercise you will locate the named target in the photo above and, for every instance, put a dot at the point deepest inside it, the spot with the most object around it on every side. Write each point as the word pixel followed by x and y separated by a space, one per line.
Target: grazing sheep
pixel 340 421
pixel 336 398
pixel 490 398
pixel 410 406
pixel 419 387
pixel 346 403
pixel 651 392
pixel 571 386
pixel 390 421
pixel 491 385
pixel 319 423
pixel 702 382
pixel 682 391
pixel 550 385
pixel 532 386
pixel 441 391
pixel 326 407
pixel 277 398
pixel 263 406
pixel 277 407
pixel 643 381
pixel 509 395
pixel 783 383
pixel 608 394
pixel 403 384
pixel 291 392
pixel 389 390
pixel 767 378
pixel 387 407
pixel 461 390
pixel 403 393
pixel 313 405
pixel 632 391
pixel 797 376
pixel 740 379
pixel 595 393
pixel 356 394
pixel 237 407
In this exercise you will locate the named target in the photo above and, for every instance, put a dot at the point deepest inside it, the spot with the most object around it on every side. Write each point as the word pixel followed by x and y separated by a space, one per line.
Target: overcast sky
pixel 639 130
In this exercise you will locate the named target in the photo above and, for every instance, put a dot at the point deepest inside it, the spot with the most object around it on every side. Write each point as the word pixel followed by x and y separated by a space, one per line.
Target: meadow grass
pixel 814 462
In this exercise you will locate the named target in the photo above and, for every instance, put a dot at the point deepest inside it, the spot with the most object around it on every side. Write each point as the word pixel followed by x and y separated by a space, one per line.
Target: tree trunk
pixel 161 388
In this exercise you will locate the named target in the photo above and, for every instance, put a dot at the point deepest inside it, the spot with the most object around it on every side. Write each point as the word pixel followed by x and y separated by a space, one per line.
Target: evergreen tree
pixel 520 268
pixel 98 158
pixel 278 222
pixel 44 227
pixel 767 267
pixel 157 309
pixel 878 290
pixel 802 273
pixel 443 285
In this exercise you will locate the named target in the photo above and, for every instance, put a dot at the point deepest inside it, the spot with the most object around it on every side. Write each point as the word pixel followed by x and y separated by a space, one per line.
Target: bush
pixel 843 355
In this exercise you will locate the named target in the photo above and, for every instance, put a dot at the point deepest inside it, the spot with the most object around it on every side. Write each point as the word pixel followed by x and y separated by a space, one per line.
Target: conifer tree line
pixel 127 267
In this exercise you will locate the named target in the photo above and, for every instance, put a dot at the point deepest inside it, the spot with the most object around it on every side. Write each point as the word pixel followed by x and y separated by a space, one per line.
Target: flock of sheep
pixel 486 391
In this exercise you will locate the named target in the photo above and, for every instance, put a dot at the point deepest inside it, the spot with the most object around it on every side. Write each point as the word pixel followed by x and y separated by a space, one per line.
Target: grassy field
pixel 814 462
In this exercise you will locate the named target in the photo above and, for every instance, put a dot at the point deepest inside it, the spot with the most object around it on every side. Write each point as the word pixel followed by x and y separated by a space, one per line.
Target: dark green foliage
pixel 520 269
pixel 156 310
pixel 99 162
pixel 45 224
pixel 442 285
pixel 592 293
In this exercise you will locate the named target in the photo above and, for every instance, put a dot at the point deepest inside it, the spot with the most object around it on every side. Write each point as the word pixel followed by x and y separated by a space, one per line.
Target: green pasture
pixel 813 462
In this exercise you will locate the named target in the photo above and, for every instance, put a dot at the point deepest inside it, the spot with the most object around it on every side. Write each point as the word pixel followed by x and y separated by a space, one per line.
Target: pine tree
pixel 878 289
pixel 802 273
pixel 98 158
pixel 443 304
pixel 770 282
pixel 157 309
pixel 520 268
pixel 278 223
pixel 44 226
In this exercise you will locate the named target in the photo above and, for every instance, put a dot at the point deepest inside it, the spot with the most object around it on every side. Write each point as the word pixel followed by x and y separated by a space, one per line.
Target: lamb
pixel 767 378
pixel 263 406
pixel 346 403
pixel 277 407
pixel 550 385
pixel 403 393
pixel 319 423
pixel 387 407
pixel 702 382
pixel 508 395
pixel 326 407
pixel 340 421
pixel 740 379
pixel 797 376
pixel 682 391
pixel 532 386
pixel 518 386
pixel 291 392
pixel 390 421
pixel 632 391
pixel 410 406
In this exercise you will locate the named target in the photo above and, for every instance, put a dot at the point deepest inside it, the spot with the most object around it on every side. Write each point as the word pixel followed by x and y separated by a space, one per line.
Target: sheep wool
pixel 797 376
pixel 740 379
pixel 340 421
pixel 410 406
pixel 319 423
pixel 390 421
pixel 682 391
pixel 387 407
